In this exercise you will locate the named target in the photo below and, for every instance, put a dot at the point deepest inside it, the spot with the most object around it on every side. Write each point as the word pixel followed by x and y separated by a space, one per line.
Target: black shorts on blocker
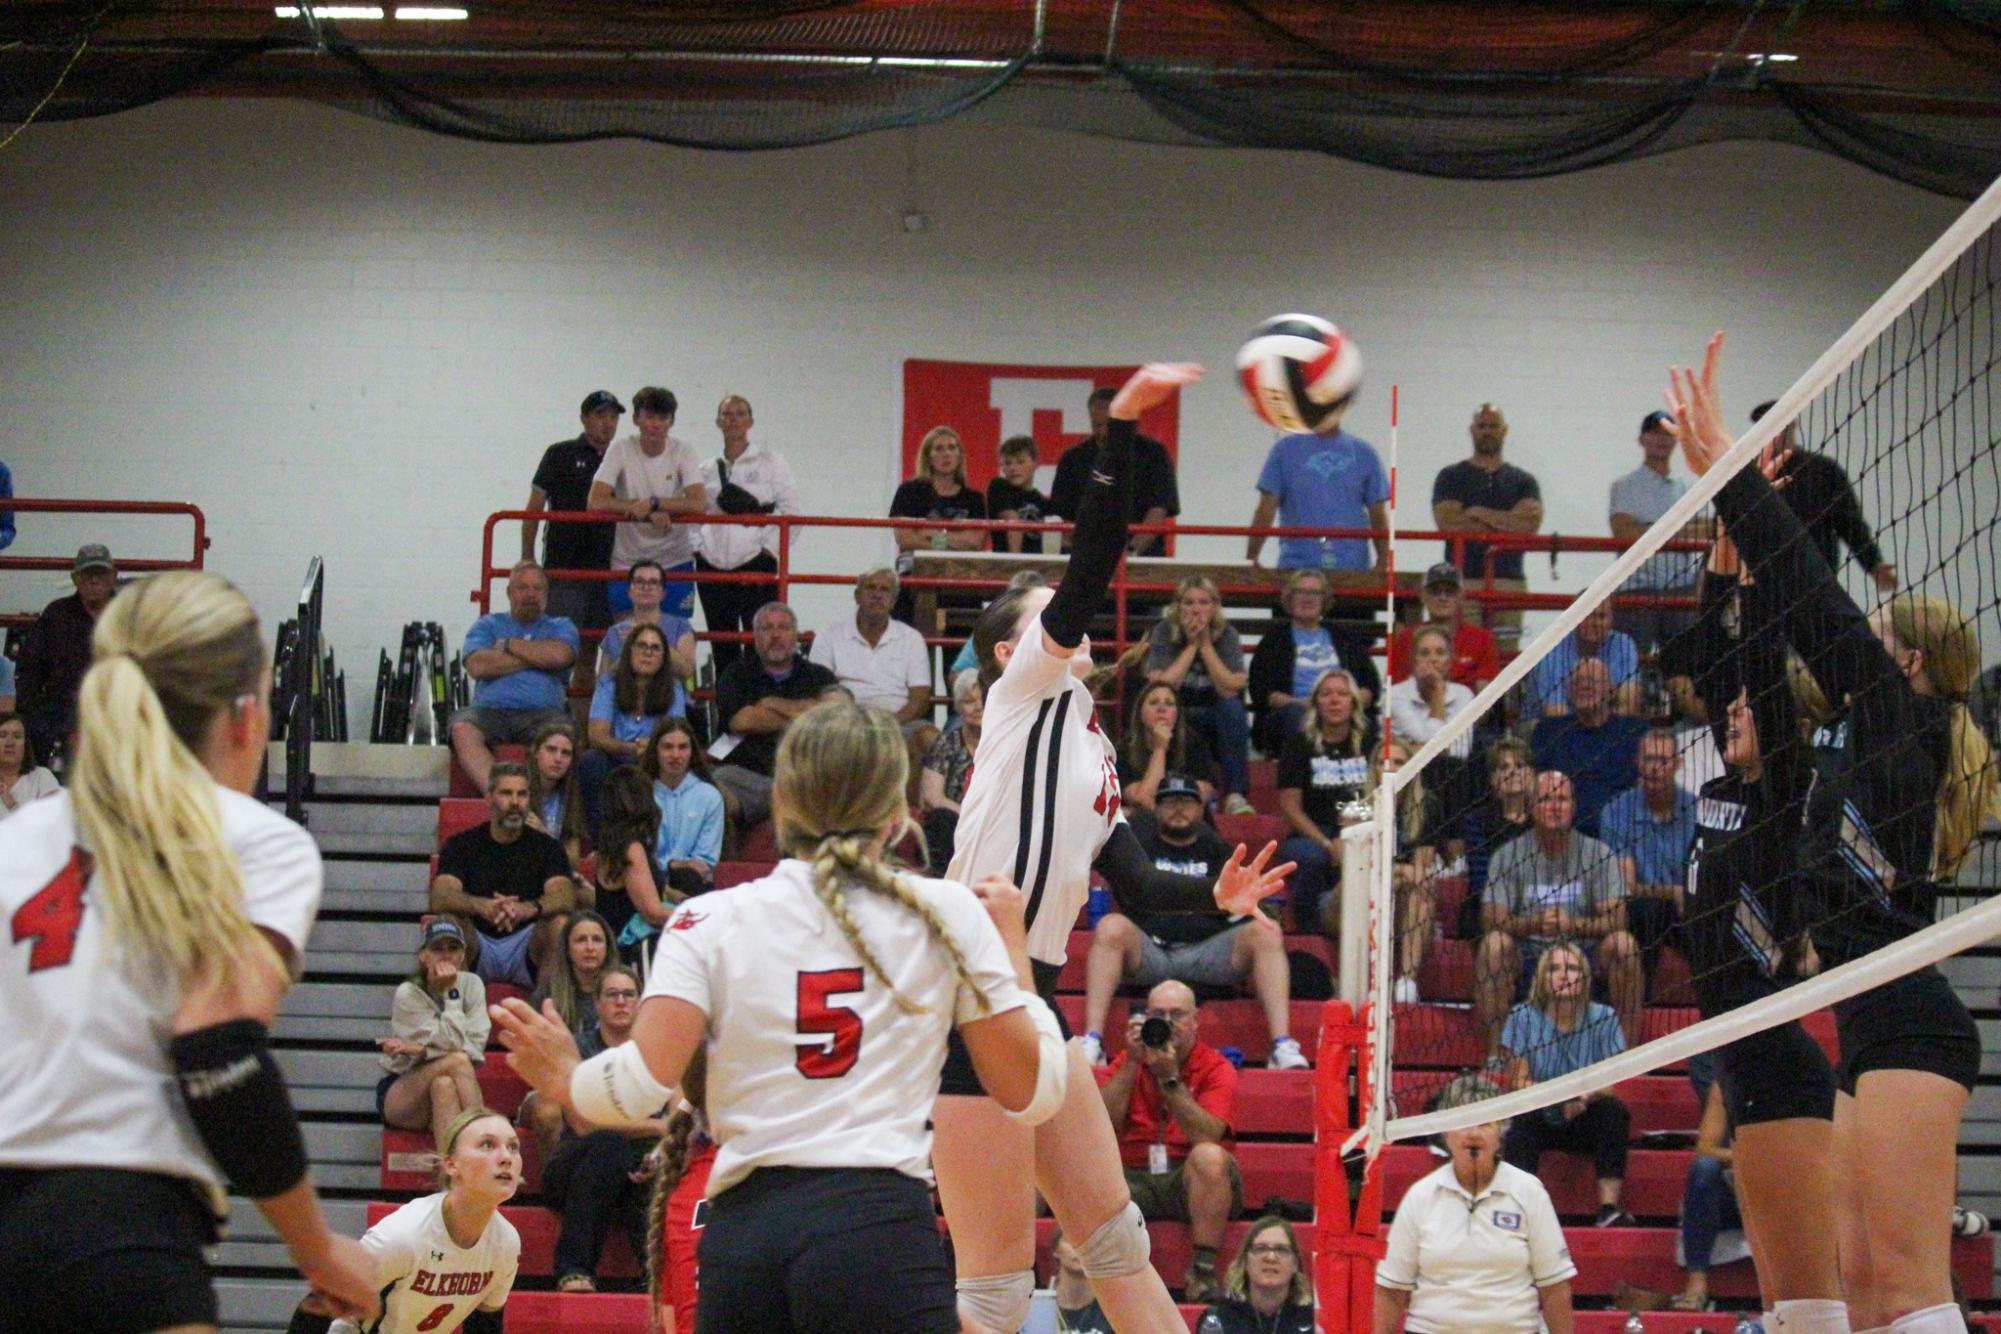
pixel 102 1251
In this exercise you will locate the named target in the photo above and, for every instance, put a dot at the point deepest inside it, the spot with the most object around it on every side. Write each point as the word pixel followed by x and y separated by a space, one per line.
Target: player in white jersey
pixel 155 914
pixel 1043 807
pixel 823 995
pixel 447 1261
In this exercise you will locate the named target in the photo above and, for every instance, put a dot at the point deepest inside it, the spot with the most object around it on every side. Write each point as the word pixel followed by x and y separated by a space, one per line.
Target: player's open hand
pixel 1241 888
pixel 1698 410
pixel 540 1046
pixel 1152 384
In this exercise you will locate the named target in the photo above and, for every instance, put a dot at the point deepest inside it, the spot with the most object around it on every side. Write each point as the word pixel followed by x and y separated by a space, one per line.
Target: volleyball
pixel 1299 371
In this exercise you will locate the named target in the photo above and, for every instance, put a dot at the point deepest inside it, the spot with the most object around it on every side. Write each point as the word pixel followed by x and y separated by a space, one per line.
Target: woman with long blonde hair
pixel 1323 770
pixel 158 913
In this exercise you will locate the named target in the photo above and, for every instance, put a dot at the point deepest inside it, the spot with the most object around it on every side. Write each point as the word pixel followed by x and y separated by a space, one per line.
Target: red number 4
pixel 53 916
pixel 830 1036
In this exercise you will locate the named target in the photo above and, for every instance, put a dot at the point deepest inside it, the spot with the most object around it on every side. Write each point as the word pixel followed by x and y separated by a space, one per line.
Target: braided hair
pixel 676 1148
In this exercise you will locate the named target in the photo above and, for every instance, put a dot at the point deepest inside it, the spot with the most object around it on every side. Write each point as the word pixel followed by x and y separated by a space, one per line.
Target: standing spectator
pixel 646 585
pixel 1558 1031
pixel 1324 767
pixel 1077 1311
pixel 1817 489
pixel 57 652
pixel 948 766
pixel 1171 1106
pixel 438 1029
pixel 1485 494
pixel 21 779
pixel 1158 743
pixel 1210 949
pixel 630 883
pixel 1195 649
pixel 1504 813
pixel 883 662
pixel 938 491
pixel 520 662
pixel 1546 688
pixel 1475 1245
pixel 1012 495
pixel 748 478
pixel 1475 659
pixel 1292 655
pixel 1153 495
pixel 757 697
pixel 555 806
pixel 690 842
pixel 1598 748
pixel 1331 480
pixel 655 480
pixel 1266 1290
pixel 626 707
pixel 509 878
pixel 1651 827
pixel 1638 499
pixel 1549 886
pixel 563 484
pixel 6 516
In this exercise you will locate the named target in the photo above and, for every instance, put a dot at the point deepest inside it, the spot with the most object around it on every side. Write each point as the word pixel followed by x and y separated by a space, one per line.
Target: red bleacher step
pixel 538 1228
pixel 1653 1179
pixel 1447 974
pixel 1657 1102
pixel 1228 1023
pixel 1274 1102
pixel 1644 1257
pixel 576 1312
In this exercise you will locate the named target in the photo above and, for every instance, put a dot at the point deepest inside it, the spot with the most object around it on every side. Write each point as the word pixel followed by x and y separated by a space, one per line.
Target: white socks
pixel 1818 1315
pixel 1945 1319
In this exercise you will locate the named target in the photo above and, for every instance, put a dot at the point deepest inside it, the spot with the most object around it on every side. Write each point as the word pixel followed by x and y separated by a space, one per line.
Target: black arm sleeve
pixel 485 1322
pixel 1098 542
pixel 1141 887
pixel 1845 518
pixel 1718 668
pixel 306 1322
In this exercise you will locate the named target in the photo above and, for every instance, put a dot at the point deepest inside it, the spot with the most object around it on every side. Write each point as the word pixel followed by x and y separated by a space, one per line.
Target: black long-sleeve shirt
pixel 1818 490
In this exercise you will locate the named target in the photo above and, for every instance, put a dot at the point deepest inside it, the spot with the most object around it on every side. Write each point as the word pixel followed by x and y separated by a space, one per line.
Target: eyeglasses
pixel 1269 1249
pixel 619 995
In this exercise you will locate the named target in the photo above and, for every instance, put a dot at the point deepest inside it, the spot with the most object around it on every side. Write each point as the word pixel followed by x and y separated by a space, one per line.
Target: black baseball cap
pixel 442 928
pixel 600 398
pixel 1177 785
pixel 1445 572
pixel 1656 419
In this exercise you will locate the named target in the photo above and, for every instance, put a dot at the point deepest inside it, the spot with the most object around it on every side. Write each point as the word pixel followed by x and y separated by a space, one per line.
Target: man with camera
pixel 1171 1099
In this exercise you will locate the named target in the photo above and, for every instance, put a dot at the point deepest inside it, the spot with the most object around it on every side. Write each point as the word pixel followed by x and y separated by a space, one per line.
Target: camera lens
pixel 1156 1033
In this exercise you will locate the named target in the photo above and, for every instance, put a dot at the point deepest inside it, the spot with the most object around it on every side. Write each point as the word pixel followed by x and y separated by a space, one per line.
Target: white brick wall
pixel 352 340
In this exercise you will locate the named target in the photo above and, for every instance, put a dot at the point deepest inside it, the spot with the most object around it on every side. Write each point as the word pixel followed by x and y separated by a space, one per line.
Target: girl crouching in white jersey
pixel 823 995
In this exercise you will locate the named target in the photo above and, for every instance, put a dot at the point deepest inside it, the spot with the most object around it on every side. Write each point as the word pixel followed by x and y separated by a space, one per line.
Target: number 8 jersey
pixel 85 1040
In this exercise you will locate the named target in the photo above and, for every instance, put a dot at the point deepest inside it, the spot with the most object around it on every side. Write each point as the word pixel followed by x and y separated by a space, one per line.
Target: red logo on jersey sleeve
pixel 686 921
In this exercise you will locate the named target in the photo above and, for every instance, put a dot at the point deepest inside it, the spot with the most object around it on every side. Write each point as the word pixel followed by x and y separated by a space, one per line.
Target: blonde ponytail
pixel 1969 792
pixel 172 652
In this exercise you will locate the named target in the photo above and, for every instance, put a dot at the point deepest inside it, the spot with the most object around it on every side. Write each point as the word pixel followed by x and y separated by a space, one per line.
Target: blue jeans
pixel 1708 1206
pixel 1226 725
pixel 1309 882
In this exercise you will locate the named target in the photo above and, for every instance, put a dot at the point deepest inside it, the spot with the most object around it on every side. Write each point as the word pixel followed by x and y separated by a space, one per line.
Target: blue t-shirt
pixel 1550 680
pixel 1534 1036
pixel 6 671
pixel 1313 653
pixel 671 626
pixel 1324 481
pixel 1600 760
pixel 528 689
pixel 1659 848
pixel 691 822
pixel 6 516
pixel 630 726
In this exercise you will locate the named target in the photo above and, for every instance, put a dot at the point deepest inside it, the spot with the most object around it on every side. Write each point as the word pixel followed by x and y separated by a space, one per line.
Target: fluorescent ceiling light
pixel 434 13
pixel 333 11
pixel 1776 57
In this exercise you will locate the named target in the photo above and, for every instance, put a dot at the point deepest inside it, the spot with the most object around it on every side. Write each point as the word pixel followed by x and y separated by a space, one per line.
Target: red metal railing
pixel 126 564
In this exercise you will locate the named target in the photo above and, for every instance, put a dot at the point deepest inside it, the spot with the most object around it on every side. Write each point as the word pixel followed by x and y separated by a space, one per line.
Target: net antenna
pixel 1370 906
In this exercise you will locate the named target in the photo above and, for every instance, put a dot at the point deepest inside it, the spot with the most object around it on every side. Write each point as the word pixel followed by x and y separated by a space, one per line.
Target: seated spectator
pixel 1076 1308
pixel 572 984
pixel 1209 949
pixel 630 883
pixel 56 653
pixel 7 691
pixel 1195 649
pixel 519 661
pixel 1547 684
pixel 883 663
pixel 1595 746
pixel 21 779
pixel 653 479
pixel 1422 703
pixel 1558 1031
pixel 438 1027
pixel 746 478
pixel 1155 497
pixel 938 491
pixel 554 804
pixel 1171 1107
pixel 1418 822
pixel 1708 1193
pixel 1504 813
pixel 1650 828
pixel 1475 660
pixel 1554 884
pixel 691 818
pixel 626 707
pixel 1291 656
pixel 1267 1289
pixel 1476 1244
pixel 947 767
pixel 601 1180
pixel 507 885
pixel 757 697
pixel 647 585
pixel 1012 495
pixel 1158 743
pixel 1323 768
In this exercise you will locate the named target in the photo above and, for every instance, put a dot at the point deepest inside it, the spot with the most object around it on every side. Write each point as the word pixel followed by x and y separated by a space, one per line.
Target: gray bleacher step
pixel 255 1305
pixel 332 1082
pixel 373 828
pixel 387 949
pixel 400 886
pixel 335 1012
pixel 359 769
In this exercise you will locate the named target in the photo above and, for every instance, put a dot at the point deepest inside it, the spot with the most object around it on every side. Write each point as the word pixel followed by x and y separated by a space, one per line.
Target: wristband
pixel 614 1088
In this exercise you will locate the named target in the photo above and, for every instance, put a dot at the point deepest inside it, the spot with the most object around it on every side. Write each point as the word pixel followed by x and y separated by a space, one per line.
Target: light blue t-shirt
pixel 691 822
pixel 1534 1036
pixel 6 675
pixel 1646 495
pixel 672 627
pixel 528 689
pixel 1551 678
pixel 1312 653
pixel 967 658
pixel 1659 848
pixel 1324 481
pixel 631 726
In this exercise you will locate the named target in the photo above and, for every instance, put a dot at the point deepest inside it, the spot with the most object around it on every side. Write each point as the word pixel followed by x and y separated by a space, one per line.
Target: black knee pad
pixel 1780 1074
pixel 1914 1023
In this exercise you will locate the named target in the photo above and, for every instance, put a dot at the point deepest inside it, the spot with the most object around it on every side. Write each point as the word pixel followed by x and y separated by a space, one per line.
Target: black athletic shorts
pixel 961 1080
pixel 1913 1023
pixel 87 1250
pixel 794 1250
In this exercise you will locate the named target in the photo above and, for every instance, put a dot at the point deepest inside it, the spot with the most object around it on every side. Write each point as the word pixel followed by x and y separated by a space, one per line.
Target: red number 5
pixel 53 916
pixel 830 1035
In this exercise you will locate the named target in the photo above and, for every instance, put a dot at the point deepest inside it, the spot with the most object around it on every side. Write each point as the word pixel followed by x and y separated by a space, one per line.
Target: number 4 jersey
pixel 84 1042
pixel 811 1061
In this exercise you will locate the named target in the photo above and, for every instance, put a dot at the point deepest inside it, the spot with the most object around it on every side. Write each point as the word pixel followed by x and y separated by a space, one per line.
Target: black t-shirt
pixel 564 476
pixel 488 869
pixel 1085 1320
pixel 745 682
pixel 1232 1316
pixel 1501 489
pixel 918 499
pixel 1484 829
pixel 1327 781
pixel 1205 858
pixel 1027 502
pixel 1149 481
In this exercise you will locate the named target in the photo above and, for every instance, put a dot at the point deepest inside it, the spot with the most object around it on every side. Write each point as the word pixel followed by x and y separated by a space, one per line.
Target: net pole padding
pixel 1358 862
pixel 1390 556
pixel 1970 226
pixel 1962 931
pixel 1382 973
pixel 1347 1237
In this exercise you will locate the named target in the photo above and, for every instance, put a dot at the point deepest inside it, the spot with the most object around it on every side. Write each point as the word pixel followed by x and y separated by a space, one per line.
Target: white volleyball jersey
pixel 1043 796
pixel 427 1280
pixel 811 1061
pixel 84 1045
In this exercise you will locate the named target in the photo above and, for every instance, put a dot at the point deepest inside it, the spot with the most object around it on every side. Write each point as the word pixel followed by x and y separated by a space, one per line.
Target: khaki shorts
pixel 1163 1199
